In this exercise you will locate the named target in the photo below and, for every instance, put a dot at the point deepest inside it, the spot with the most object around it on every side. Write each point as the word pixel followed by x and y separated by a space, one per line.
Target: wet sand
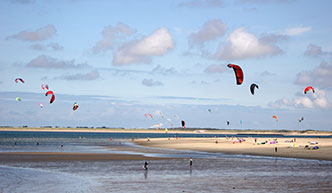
pixel 64 156
pixel 285 148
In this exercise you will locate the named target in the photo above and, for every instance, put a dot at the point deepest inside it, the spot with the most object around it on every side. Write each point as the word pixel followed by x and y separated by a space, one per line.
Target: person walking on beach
pixel 191 162
pixel 146 165
pixel 276 149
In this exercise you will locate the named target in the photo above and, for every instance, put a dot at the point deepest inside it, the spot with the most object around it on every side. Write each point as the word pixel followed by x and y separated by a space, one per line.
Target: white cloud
pixel 297 31
pixel 320 76
pixel 216 68
pixel 211 30
pixel 151 82
pixel 110 34
pixel 320 99
pixel 141 51
pixel 53 46
pixel 202 3
pixel 44 61
pixel 93 75
pixel 314 100
pixel 314 50
pixel 303 102
pixel 242 44
pixel 40 34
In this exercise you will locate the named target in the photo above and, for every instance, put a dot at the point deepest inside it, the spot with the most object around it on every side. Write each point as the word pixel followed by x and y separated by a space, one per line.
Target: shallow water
pixel 237 174
pixel 211 172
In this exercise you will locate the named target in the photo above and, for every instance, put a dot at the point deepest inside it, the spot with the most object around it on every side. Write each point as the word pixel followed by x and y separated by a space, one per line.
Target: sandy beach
pixel 286 147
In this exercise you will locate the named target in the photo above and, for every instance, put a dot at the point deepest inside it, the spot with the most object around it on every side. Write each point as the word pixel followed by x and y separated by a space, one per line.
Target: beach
pixel 286 147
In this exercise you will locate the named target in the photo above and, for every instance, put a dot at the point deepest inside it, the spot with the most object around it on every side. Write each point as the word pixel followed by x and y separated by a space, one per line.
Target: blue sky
pixel 121 59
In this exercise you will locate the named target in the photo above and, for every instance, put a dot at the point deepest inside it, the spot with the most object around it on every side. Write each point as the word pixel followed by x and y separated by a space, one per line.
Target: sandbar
pixel 286 147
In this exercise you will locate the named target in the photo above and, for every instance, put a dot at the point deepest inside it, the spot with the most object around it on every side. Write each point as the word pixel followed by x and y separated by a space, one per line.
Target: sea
pixel 210 172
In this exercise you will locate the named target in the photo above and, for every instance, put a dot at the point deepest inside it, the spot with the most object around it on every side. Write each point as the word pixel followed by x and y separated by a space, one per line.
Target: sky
pixel 120 60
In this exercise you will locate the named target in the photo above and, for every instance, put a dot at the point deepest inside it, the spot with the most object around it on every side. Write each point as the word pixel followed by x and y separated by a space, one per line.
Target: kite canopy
pixel 19 79
pixel 75 106
pixel 41 105
pixel 44 86
pixel 162 115
pixel 53 96
pixel 275 118
pixel 238 73
pixel 18 99
pixel 183 124
pixel 308 88
pixel 252 88
pixel 146 115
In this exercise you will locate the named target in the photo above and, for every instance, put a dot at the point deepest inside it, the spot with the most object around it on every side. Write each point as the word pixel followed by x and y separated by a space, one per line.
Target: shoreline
pixel 171 131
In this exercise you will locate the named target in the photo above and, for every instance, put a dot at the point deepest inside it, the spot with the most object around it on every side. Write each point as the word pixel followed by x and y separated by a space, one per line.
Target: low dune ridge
pixel 173 130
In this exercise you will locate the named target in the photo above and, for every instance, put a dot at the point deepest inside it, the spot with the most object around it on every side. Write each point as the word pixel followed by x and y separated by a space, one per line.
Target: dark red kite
pixel 238 73
pixel 53 96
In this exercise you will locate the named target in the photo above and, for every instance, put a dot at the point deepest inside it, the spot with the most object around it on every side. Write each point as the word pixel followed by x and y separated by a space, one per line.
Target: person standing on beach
pixel 276 149
pixel 146 165
pixel 191 162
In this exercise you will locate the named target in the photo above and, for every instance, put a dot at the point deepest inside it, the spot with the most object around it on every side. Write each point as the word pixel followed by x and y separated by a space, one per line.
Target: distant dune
pixel 172 130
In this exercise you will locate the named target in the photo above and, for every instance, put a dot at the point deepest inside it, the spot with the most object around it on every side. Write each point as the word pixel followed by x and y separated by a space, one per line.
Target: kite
pixel 53 96
pixel 146 115
pixel 238 73
pixel 75 106
pixel 44 86
pixel 308 88
pixel 19 79
pixel 252 88
pixel 275 118
pixel 183 124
